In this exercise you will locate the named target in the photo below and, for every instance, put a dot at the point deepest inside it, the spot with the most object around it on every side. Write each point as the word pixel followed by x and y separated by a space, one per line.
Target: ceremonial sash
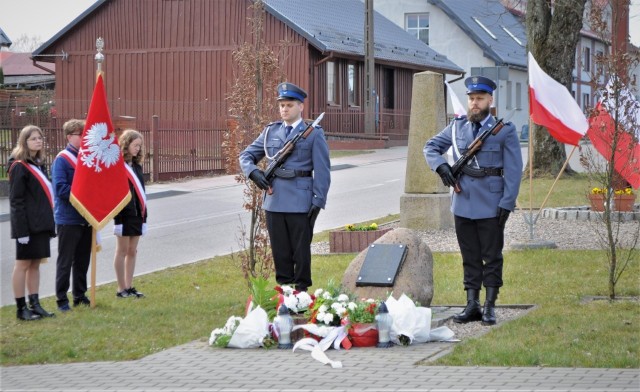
pixel 72 159
pixel 138 187
pixel 42 179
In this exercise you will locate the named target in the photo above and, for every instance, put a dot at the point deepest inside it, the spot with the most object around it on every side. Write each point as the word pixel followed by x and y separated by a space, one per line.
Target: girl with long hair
pixel 32 223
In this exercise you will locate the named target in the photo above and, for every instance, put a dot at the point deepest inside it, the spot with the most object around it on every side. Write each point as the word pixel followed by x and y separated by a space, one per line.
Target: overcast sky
pixel 44 18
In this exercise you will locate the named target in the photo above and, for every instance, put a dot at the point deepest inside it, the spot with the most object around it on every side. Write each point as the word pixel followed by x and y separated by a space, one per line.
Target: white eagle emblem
pixel 98 150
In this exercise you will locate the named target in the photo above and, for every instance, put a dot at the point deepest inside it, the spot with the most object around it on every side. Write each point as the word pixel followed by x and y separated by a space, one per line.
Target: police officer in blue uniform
pixel 490 185
pixel 299 189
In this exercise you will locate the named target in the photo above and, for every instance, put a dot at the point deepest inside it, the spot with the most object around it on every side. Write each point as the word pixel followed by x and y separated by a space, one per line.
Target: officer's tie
pixel 476 129
pixel 288 130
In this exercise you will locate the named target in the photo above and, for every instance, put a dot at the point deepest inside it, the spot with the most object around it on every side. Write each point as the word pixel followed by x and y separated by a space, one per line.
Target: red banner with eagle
pixel 100 188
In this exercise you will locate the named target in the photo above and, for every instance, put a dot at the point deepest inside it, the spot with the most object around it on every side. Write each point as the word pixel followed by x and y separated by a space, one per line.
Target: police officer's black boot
pixel 472 312
pixel 34 305
pixel 23 313
pixel 489 315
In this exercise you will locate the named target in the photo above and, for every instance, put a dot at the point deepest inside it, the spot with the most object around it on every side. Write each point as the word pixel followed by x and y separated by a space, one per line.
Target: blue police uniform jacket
pixel 62 177
pixel 481 196
pixel 292 195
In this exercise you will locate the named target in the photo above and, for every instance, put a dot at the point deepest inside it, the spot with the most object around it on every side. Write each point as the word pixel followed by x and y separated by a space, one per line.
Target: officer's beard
pixel 478 117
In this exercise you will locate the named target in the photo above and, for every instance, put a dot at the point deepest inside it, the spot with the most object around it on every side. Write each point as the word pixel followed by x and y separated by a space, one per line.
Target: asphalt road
pixel 199 219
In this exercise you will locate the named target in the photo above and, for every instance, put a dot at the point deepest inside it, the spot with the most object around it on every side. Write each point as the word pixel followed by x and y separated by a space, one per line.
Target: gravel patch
pixel 476 329
pixel 581 235
pixel 565 234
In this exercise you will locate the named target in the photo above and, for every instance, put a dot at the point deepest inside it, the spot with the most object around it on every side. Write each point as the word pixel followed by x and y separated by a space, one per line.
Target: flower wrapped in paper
pixel 412 324
pixel 238 332
pixel 252 330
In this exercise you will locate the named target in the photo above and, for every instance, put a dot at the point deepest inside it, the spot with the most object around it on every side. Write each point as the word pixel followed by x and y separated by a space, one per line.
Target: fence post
pixel 154 148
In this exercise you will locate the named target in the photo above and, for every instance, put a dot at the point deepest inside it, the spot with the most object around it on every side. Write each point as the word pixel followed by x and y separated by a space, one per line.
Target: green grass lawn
pixel 187 302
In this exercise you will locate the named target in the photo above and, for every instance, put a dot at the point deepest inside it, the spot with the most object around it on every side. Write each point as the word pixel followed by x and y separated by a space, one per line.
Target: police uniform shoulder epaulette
pixel 274 122
pixel 460 118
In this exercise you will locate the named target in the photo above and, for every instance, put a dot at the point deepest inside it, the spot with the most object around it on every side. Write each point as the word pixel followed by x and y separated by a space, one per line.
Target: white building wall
pixel 448 39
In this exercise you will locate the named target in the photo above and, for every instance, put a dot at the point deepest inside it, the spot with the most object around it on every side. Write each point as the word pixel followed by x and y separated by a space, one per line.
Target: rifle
pixel 282 155
pixel 473 149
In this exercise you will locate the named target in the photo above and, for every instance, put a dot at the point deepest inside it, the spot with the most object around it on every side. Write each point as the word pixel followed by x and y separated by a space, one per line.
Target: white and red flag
pixel 458 108
pixel 100 187
pixel 618 144
pixel 552 106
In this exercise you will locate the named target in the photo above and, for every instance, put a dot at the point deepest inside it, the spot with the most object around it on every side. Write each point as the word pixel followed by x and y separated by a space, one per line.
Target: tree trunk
pixel 552 39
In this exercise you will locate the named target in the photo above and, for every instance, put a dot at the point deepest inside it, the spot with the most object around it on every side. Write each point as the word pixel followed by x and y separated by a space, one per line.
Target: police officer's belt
pixel 289 173
pixel 483 171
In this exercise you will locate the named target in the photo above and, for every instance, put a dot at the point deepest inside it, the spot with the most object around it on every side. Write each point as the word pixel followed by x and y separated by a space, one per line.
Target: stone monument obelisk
pixel 426 202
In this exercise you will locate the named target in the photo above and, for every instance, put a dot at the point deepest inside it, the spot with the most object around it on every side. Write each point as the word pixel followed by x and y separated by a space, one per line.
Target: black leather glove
pixel 313 214
pixel 446 174
pixel 503 215
pixel 257 176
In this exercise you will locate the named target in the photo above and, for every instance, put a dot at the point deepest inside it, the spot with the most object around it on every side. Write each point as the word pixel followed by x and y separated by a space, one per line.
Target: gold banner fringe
pixel 89 217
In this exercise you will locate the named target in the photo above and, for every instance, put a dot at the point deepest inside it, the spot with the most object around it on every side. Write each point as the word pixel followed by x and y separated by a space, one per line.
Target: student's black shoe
pixel 81 301
pixel 135 292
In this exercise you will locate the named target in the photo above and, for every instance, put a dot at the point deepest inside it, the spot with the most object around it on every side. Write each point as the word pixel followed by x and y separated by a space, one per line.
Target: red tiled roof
pixel 14 64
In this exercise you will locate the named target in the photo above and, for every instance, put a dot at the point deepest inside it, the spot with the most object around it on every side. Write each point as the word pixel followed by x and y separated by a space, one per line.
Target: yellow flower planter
pixel 622 203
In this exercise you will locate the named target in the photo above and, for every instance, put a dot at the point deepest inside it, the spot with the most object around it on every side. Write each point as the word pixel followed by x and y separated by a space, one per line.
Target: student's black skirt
pixel 37 248
pixel 131 226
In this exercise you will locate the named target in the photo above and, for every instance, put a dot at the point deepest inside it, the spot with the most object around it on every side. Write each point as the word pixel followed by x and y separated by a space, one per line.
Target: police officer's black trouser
pixel 481 242
pixel 290 235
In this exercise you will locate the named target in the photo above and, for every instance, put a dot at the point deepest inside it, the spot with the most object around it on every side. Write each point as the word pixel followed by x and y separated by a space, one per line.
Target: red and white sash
pixel 42 179
pixel 72 159
pixel 138 187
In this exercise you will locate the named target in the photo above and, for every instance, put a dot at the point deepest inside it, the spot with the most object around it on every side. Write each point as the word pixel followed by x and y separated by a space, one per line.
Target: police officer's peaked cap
pixel 288 90
pixel 479 84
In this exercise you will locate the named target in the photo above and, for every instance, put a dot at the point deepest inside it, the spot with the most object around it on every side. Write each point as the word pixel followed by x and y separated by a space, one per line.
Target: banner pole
pixel 99 58
pixel 93 267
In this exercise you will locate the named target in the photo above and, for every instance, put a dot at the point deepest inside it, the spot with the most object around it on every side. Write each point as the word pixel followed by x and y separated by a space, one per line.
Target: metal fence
pixel 173 149
pixel 170 152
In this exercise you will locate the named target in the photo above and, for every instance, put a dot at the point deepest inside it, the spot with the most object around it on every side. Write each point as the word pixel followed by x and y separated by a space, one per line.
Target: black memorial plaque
pixel 381 265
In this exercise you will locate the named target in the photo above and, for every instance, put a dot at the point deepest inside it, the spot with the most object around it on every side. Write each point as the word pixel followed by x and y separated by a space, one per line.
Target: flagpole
pixel 564 166
pixel 531 222
pixel 529 219
pixel 530 167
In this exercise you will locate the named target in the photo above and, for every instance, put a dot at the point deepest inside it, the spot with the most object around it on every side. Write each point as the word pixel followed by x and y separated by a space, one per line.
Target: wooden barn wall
pixel 160 60
pixel 174 59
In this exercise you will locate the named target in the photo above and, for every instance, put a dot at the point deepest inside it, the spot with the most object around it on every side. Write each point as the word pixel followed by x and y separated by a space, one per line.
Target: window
pixel 586 102
pixel 509 96
pixel 519 96
pixel 598 60
pixel 353 84
pixel 485 28
pixel 388 84
pixel 332 82
pixel 586 60
pixel 418 25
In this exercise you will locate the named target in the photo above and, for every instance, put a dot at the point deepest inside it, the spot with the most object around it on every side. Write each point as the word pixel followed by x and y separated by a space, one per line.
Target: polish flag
pixel 100 187
pixel 458 108
pixel 552 106
pixel 618 145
